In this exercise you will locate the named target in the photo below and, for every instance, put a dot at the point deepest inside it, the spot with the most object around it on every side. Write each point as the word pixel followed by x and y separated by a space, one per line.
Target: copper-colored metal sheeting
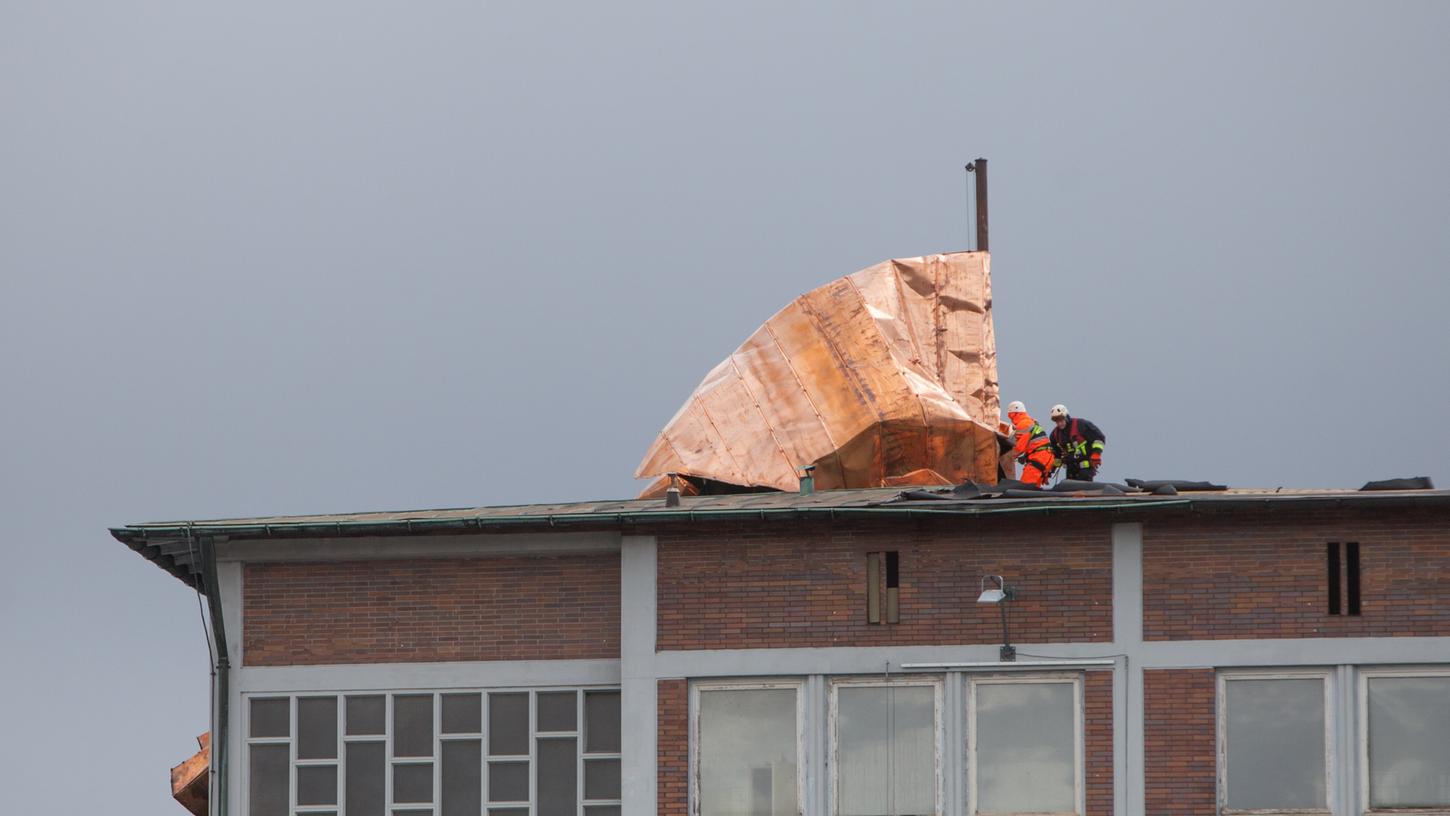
pixel 189 779
pixel 884 377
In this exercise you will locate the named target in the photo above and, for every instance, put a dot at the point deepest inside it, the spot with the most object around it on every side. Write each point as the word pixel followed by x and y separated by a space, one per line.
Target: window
pixel 885 744
pixel 1406 750
pixel 1024 744
pixel 454 753
pixel 883 567
pixel 747 750
pixel 1273 742
pixel 1351 578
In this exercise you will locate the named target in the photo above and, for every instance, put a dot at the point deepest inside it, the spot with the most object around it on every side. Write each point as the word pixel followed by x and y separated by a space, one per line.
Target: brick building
pixel 776 653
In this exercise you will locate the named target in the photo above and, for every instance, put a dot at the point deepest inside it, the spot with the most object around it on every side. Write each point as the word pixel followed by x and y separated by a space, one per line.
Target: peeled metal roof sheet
pixel 884 377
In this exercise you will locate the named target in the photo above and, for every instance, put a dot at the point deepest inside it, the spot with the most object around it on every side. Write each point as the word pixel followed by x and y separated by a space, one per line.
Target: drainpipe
pixel 221 670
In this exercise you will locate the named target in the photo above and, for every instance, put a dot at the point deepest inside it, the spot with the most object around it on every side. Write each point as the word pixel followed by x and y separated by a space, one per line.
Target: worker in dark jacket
pixel 1077 443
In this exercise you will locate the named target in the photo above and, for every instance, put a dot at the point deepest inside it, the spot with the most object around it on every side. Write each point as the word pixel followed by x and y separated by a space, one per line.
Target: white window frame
pixel 1365 675
pixel 936 683
pixel 973 681
pixel 1221 727
pixel 798 685
pixel 391 762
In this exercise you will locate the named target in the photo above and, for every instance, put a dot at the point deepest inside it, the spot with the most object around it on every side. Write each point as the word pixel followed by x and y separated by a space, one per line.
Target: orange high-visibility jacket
pixel 1030 436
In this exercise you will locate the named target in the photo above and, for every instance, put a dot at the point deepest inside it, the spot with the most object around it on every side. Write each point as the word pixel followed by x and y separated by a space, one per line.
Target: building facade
pixel 827 655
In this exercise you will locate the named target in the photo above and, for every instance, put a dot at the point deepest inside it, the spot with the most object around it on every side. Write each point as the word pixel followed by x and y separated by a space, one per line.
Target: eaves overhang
pixel 173 547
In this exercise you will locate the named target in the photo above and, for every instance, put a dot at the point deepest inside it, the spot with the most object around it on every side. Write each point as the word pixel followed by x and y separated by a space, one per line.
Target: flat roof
pixel 172 544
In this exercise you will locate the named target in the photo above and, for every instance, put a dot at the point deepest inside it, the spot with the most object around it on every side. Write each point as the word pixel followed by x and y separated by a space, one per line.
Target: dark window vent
pixel 883 572
pixel 1343 583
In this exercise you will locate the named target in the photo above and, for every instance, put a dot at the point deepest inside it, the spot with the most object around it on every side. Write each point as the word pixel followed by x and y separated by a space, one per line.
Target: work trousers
pixel 1036 468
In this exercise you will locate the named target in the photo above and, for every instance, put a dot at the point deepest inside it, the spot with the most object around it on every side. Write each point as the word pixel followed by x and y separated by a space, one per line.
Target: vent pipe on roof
pixel 979 168
pixel 808 480
pixel 672 494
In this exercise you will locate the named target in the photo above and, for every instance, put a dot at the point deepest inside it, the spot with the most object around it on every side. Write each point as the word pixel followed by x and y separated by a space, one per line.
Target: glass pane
pixel 1025 758
pixel 558 788
pixel 413 725
pixel 317 784
pixel 601 722
pixel 601 779
pixel 508 812
pixel 508 723
pixel 271 717
pixel 1409 741
pixel 601 810
pixel 413 812
pixel 508 781
pixel 1274 735
pixel 365 716
pixel 317 728
pixel 747 752
pixel 412 783
pixel 556 711
pixel 268 786
pixel 366 774
pixel 462 777
pixel 886 750
pixel 462 714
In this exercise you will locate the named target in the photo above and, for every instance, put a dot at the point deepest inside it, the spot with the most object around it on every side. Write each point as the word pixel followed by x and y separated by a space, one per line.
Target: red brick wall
pixel 431 610
pixel 766 585
pixel 1180 742
pixel 1098 741
pixel 1249 575
pixel 673 747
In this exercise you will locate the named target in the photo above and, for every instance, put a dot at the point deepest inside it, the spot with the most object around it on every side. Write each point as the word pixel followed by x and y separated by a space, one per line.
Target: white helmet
pixel 1016 408
pixel 1059 410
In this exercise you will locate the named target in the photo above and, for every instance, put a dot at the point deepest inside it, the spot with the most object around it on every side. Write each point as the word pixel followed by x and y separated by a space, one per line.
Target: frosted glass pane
pixel 413 725
pixel 508 782
pixel 1025 758
pixel 271 717
pixel 558 787
pixel 508 723
pixel 886 750
pixel 365 715
pixel 557 711
pixel 317 785
pixel 462 778
pixel 412 783
pixel 1409 741
pixel 365 778
pixel 747 752
pixel 268 787
pixel 462 714
pixel 601 722
pixel 1274 731
pixel 601 779
pixel 317 728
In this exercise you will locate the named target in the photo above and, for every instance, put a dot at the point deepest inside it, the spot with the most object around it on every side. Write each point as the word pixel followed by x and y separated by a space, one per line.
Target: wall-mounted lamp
pixel 1000 594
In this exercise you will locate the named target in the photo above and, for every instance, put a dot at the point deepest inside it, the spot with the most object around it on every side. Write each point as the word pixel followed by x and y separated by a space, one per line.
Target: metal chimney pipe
pixel 980 168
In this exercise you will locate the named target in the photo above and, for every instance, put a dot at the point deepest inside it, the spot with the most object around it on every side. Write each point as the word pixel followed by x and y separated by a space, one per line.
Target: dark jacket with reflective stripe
pixel 1077 440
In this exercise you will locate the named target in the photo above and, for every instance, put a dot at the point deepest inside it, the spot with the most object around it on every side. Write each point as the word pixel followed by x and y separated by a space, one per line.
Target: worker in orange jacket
pixel 1033 448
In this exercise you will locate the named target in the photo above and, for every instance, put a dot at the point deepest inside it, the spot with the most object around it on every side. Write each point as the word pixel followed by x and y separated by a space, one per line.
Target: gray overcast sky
pixel 274 257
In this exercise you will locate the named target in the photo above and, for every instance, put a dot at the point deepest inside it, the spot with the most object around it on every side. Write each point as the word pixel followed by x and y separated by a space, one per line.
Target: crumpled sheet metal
pixel 884 377
pixel 189 779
